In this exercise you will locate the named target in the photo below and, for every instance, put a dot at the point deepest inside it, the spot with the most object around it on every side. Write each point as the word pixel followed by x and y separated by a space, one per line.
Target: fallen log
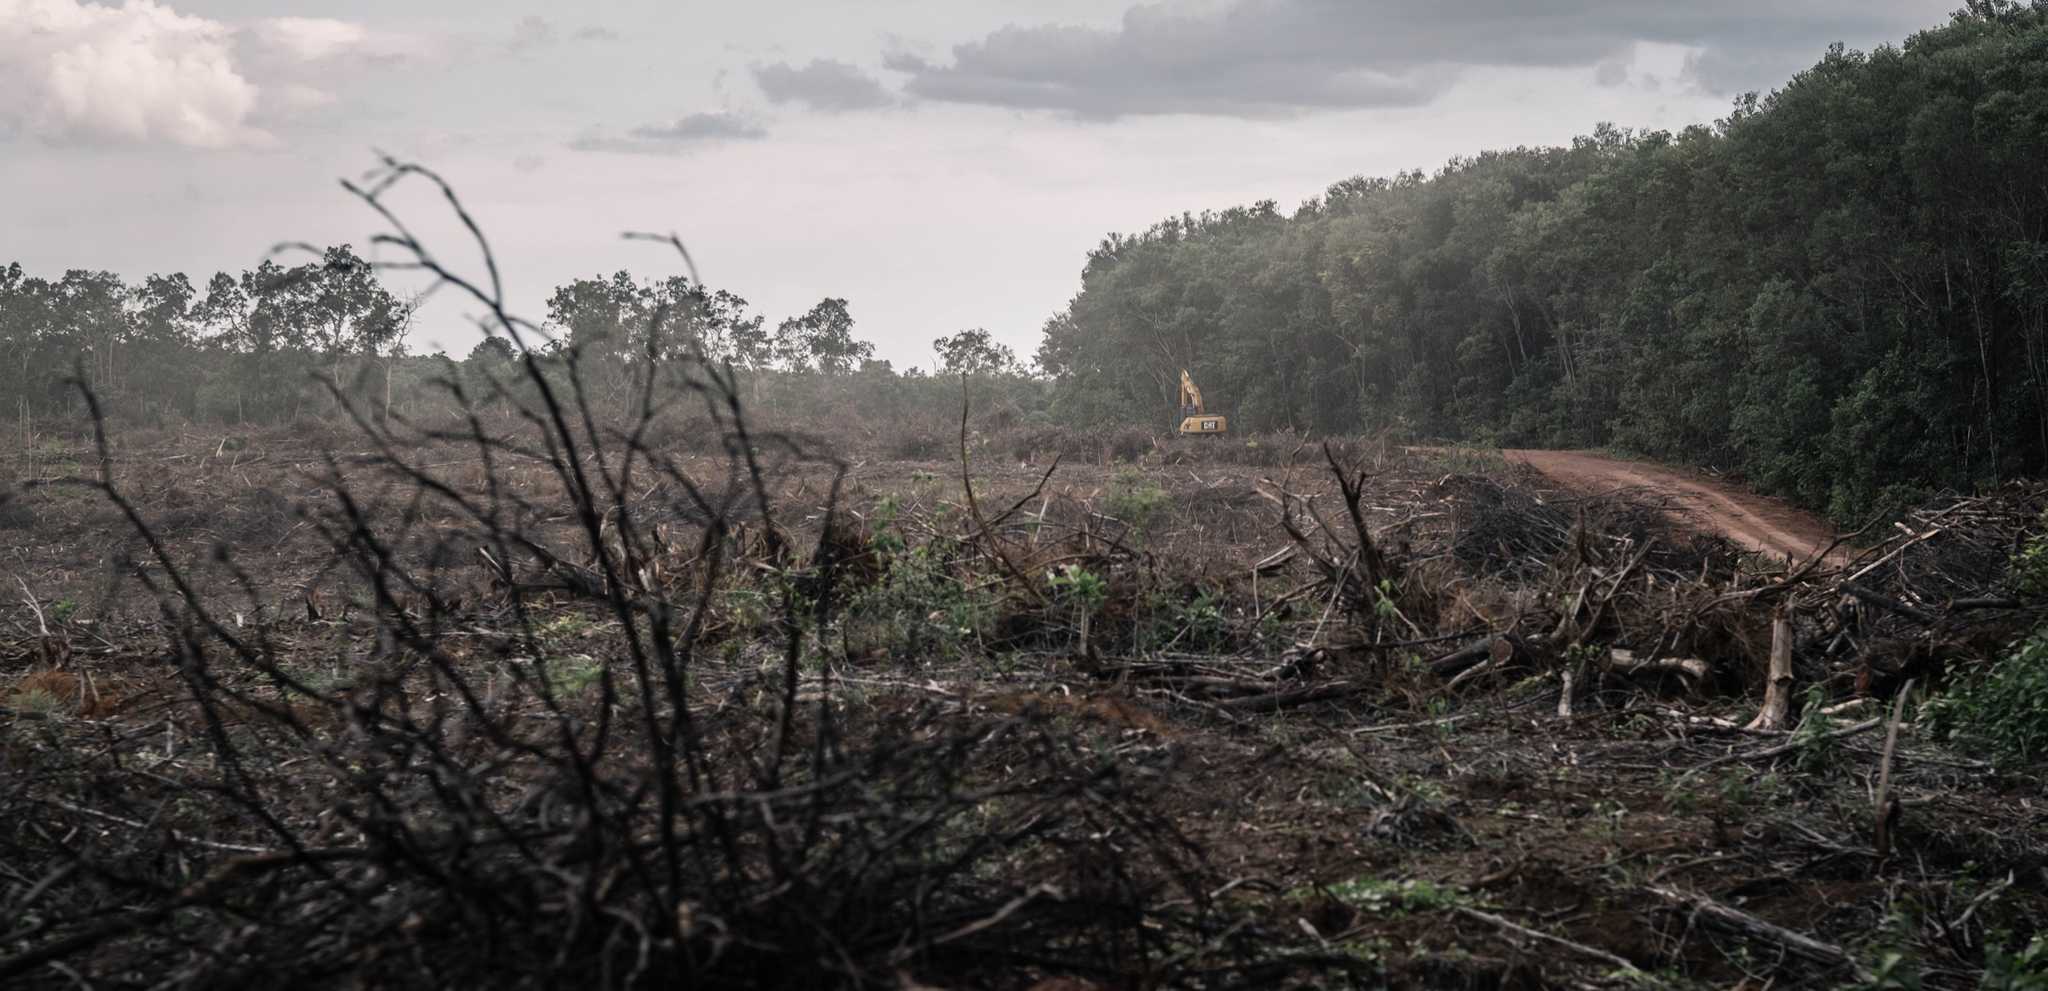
pixel 1454 663
pixel 1921 616
pixel 1695 670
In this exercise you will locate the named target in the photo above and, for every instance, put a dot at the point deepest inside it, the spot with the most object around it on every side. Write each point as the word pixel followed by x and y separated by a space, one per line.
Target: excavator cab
pixel 1194 419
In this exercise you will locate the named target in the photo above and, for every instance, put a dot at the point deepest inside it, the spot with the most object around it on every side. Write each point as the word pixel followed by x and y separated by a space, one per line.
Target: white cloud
pixel 324 39
pixel 310 39
pixel 296 98
pixel 73 72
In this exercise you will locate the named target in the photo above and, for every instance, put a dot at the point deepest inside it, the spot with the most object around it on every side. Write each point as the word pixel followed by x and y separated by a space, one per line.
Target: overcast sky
pixel 941 164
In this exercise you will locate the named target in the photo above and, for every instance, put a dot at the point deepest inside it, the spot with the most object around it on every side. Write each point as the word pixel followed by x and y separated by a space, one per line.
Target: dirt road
pixel 1754 521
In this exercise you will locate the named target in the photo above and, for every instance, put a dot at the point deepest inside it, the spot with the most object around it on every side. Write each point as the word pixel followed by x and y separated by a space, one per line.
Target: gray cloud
pixel 1265 57
pixel 822 85
pixel 534 32
pixel 690 131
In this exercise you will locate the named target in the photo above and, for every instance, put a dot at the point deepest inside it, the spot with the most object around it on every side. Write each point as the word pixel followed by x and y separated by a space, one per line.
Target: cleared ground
pixel 1373 746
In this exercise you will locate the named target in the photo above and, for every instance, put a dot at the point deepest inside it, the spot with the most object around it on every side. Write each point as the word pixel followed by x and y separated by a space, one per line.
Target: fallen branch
pixel 1784 748
pixel 1921 616
pixel 1887 807
pixel 1751 927
pixel 1274 701
pixel 1528 933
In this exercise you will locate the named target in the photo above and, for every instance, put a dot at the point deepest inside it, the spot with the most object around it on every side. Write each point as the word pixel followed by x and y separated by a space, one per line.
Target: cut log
pixel 1452 664
pixel 1778 689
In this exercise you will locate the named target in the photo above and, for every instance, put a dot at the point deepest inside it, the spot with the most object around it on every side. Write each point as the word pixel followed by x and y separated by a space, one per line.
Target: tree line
pixel 255 348
pixel 1840 290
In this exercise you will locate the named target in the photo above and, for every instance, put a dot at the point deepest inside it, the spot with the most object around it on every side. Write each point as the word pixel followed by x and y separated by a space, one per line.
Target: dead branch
pixel 1749 926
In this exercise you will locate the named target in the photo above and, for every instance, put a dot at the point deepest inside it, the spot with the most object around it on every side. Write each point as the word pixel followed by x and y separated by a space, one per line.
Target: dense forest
pixel 1841 290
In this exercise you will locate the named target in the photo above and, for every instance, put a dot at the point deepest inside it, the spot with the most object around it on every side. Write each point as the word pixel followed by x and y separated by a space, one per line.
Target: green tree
pixel 974 352
pixel 822 340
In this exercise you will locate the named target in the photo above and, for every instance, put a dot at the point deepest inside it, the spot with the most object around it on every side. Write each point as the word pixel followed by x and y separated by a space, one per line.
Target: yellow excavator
pixel 1194 419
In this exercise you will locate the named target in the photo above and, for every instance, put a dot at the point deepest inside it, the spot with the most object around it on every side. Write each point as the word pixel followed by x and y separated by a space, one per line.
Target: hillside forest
pixel 1838 292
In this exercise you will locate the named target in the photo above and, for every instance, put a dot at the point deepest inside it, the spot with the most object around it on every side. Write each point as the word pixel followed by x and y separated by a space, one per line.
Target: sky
pixel 939 164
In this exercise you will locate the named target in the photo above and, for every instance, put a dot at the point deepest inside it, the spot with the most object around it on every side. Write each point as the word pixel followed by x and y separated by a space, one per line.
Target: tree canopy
pixel 1840 290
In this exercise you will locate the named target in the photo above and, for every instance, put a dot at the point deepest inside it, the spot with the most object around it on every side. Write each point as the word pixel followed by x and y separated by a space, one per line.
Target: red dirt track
pixel 1754 521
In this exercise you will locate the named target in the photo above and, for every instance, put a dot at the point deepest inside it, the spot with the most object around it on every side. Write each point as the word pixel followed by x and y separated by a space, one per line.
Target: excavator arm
pixel 1194 417
pixel 1190 396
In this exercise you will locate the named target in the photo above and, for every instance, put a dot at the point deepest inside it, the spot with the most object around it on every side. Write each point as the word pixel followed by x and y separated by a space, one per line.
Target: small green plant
pixel 2026 970
pixel 571 675
pixel 1135 499
pixel 1815 747
pixel 1384 607
pixel 1893 971
pixel 1680 796
pixel 750 608
pixel 1397 898
pixel 1173 619
pixel 1440 713
pixel 1084 589
pixel 39 701
pixel 317 680
pixel 567 626
pixel 1739 791
pixel 1895 967
pixel 62 610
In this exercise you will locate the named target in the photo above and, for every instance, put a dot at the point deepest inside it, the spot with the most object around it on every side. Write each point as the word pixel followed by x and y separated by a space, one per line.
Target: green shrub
pixel 919 610
pixel 2029 573
pixel 2007 708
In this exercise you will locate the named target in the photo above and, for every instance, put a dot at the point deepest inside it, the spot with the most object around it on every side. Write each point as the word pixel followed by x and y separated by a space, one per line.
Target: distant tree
pixel 695 321
pixel 974 352
pixel 822 340
pixel 492 351
pixel 163 338
pixel 603 318
pixel 349 312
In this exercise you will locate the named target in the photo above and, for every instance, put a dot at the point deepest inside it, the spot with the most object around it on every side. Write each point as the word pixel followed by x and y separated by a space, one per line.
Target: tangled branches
pixel 452 793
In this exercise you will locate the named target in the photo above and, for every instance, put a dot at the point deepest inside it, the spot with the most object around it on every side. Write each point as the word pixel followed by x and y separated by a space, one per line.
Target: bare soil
pixel 1757 522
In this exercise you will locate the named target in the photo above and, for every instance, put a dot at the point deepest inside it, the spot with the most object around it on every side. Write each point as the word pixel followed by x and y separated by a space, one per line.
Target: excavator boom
pixel 1194 417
